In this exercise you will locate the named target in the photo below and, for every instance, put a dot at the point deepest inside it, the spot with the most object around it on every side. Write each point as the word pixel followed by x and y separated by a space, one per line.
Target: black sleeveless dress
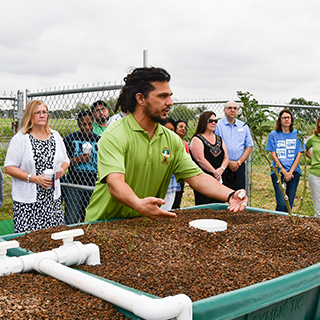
pixel 214 153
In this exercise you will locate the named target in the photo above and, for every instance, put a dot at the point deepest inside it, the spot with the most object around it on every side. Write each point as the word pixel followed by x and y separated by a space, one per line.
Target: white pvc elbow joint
pixel 179 307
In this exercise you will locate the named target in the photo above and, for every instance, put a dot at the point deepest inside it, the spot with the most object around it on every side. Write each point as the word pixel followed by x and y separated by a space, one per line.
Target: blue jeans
pixel 75 204
pixel 292 186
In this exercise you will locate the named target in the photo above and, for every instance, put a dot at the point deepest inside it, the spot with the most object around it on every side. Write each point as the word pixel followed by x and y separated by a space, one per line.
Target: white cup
pixel 49 173
pixel 87 147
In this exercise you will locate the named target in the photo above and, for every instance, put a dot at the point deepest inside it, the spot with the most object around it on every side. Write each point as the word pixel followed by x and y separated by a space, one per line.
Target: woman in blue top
pixel 286 150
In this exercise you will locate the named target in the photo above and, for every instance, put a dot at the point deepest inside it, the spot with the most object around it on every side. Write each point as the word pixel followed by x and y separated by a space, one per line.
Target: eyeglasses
pixel 212 120
pixel 100 109
pixel 231 108
pixel 285 118
pixel 41 112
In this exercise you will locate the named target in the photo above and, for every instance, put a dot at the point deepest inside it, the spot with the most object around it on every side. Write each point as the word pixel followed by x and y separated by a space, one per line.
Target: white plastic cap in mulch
pixel 210 225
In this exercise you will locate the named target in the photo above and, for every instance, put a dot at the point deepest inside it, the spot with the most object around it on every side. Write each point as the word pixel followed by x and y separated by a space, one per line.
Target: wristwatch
pixel 239 163
pixel 29 176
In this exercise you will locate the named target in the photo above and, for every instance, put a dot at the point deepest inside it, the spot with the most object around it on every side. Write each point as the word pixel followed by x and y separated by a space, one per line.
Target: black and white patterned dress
pixel 45 212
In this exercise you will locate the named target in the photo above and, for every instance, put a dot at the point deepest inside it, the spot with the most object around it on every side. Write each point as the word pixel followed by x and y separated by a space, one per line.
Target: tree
pixel 309 115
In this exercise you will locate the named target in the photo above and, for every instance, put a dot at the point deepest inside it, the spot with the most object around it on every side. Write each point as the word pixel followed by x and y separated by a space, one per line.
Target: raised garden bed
pixel 167 257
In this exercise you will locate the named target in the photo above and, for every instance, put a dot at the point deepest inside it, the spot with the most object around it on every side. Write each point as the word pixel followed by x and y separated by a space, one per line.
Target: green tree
pixel 309 115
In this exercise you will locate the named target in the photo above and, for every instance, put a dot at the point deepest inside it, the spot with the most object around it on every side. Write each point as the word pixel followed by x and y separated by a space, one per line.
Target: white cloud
pixel 211 48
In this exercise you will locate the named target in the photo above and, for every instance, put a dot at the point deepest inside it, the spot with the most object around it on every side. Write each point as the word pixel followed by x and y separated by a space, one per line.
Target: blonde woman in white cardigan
pixel 36 199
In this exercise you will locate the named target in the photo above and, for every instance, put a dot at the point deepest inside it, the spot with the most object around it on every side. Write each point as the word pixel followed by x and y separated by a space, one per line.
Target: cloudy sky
pixel 212 48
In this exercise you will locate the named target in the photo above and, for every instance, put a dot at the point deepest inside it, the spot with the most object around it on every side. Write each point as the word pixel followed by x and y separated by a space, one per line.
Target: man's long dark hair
pixel 139 81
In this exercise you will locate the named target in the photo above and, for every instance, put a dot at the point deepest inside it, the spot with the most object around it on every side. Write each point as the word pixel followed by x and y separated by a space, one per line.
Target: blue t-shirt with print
pixel 82 173
pixel 287 146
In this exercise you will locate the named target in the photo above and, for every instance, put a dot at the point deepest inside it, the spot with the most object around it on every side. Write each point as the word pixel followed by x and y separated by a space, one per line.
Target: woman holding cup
pixel 33 150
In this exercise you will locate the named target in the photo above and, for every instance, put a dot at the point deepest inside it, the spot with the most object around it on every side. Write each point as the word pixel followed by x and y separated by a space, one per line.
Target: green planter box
pixel 294 296
pixel 6 227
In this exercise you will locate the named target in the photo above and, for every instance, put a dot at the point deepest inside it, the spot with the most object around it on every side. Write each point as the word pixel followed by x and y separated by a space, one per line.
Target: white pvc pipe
pixel 55 262
pixel 74 253
pixel 179 306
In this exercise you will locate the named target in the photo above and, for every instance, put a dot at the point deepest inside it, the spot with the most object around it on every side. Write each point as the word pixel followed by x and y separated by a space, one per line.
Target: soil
pixel 166 257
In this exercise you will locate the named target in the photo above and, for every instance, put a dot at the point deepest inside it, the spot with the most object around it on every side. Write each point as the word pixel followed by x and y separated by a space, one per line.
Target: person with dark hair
pixel 82 150
pixel 137 156
pixel 181 130
pixel 314 173
pixel 100 114
pixel 237 137
pixel 169 123
pixel 286 150
pixel 209 152
pixel 35 148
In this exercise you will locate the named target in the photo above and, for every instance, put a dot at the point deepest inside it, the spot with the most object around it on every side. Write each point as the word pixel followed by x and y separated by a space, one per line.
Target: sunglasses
pixel 212 120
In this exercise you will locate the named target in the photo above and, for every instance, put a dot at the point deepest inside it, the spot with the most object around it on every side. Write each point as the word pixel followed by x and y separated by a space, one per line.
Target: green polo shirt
pixel 98 130
pixel 147 165
pixel 314 143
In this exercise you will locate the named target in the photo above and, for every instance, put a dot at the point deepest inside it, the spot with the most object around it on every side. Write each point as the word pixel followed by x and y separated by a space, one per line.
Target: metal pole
pixel 20 106
pixel 145 58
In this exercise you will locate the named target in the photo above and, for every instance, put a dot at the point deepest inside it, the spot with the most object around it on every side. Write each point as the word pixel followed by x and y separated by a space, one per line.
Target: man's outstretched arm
pixel 122 192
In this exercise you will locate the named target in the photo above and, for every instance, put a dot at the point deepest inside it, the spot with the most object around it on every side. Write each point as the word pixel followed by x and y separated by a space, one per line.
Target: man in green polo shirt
pixel 137 156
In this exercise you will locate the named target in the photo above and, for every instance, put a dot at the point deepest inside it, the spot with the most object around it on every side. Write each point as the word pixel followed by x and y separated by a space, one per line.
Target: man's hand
pixel 233 165
pixel 238 201
pixel 149 208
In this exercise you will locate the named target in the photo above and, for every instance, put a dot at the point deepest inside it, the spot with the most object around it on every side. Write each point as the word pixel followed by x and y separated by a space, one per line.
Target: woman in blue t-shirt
pixel 286 150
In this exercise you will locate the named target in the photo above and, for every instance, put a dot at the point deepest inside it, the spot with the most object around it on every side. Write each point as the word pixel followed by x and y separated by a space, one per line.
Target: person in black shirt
pixel 209 152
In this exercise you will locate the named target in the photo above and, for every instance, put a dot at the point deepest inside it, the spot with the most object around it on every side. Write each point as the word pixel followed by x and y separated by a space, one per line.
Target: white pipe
pixel 75 254
pixel 10 265
pixel 179 306
pixel 55 262
pixel 70 253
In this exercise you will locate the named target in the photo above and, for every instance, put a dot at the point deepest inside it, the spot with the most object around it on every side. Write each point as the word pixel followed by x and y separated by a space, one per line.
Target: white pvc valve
pixel 4 246
pixel 67 236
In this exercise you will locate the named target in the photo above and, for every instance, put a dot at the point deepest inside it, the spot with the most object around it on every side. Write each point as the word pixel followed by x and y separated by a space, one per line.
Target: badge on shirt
pixel 165 154
pixel 240 130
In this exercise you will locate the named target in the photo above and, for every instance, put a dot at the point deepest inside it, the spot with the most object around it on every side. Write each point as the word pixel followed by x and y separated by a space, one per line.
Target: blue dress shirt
pixel 237 137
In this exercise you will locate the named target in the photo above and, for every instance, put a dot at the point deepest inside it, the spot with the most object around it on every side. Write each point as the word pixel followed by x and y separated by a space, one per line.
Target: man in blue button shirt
pixel 238 140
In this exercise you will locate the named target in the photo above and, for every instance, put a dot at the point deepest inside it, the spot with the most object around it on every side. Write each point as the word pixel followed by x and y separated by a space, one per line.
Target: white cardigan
pixel 20 155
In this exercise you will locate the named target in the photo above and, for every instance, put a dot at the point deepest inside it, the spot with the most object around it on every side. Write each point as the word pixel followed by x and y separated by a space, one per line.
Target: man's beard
pixel 154 117
pixel 101 121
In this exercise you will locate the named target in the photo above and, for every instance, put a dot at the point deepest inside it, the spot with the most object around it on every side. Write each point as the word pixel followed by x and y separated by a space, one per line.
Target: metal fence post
pixel 20 106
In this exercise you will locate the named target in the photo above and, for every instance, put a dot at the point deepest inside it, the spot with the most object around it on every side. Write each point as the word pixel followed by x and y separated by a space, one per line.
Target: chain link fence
pixel 64 106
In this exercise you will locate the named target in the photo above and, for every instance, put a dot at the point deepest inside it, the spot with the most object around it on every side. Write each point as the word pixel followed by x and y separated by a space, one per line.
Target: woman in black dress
pixel 208 151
